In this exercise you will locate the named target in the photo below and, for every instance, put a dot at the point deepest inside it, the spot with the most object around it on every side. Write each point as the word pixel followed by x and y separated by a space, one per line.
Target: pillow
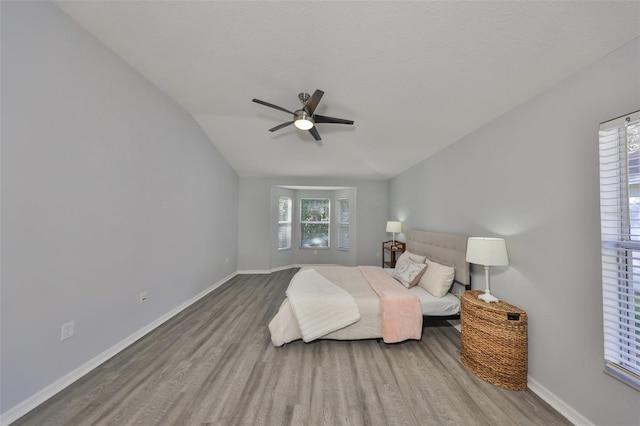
pixel 409 273
pixel 408 255
pixel 437 279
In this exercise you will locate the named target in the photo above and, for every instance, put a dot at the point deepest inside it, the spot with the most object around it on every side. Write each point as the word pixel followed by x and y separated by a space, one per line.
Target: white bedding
pixel 284 327
pixel 436 306
pixel 320 306
pixel 446 249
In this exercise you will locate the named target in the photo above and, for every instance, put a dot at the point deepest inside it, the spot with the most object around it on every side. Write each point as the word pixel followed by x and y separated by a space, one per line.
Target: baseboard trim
pixel 547 396
pixel 455 324
pixel 281 268
pixel 33 401
pixel 558 404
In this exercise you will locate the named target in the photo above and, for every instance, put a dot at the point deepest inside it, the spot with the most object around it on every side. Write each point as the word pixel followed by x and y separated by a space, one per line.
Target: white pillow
pixel 437 279
pixel 407 255
pixel 409 273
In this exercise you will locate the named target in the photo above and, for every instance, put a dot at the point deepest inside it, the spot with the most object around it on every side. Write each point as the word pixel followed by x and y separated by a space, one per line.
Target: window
pixel 620 233
pixel 343 224
pixel 314 222
pixel 284 223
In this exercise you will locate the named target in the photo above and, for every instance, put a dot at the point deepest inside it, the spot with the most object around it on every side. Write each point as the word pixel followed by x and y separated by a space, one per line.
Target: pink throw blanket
pixel 401 313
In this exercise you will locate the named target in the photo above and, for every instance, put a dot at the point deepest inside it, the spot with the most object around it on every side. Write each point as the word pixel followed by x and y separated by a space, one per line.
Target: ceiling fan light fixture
pixel 305 118
pixel 302 120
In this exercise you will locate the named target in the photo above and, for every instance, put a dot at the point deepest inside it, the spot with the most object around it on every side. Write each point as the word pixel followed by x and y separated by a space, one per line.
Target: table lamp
pixel 487 252
pixel 393 226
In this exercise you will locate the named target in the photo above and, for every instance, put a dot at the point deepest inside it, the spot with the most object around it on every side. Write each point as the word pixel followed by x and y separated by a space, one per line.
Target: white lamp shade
pixel 487 251
pixel 393 226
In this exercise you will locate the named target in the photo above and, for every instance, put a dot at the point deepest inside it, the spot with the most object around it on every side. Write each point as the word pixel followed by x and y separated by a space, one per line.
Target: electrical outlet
pixel 67 330
pixel 226 260
pixel 378 254
pixel 315 252
pixel 143 297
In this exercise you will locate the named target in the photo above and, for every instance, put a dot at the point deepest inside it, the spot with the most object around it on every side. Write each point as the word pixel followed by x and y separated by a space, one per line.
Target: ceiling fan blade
pixel 323 119
pixel 258 101
pixel 315 133
pixel 280 126
pixel 313 101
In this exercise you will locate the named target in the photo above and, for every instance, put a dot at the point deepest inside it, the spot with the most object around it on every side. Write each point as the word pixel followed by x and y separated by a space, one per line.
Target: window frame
pixel 288 222
pixel 343 224
pixel 326 222
pixel 620 246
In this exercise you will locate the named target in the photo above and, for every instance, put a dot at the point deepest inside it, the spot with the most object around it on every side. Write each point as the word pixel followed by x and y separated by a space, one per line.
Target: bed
pixel 353 303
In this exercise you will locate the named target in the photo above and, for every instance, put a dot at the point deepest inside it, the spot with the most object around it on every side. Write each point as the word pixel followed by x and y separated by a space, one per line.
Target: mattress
pixel 449 304
pixel 436 306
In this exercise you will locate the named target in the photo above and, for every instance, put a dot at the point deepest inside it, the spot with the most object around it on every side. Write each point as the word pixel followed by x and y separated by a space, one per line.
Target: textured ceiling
pixel 415 76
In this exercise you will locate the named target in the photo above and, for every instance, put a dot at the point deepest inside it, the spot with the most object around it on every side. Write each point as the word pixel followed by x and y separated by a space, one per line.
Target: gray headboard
pixel 447 249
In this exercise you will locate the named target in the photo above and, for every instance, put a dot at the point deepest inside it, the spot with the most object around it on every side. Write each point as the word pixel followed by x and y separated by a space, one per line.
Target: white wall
pixel 532 177
pixel 108 189
pixel 256 227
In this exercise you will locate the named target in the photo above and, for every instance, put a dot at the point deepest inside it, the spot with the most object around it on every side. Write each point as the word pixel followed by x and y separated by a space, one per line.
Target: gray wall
pixel 532 177
pixel 257 228
pixel 108 189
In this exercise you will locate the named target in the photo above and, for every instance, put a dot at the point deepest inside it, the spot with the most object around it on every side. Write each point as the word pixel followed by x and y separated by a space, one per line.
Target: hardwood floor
pixel 214 364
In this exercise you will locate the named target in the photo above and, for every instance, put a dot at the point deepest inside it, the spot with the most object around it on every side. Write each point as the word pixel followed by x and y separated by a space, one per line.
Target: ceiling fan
pixel 304 118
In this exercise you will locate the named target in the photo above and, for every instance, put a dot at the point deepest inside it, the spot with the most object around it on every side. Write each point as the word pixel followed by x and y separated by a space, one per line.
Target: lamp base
pixel 488 297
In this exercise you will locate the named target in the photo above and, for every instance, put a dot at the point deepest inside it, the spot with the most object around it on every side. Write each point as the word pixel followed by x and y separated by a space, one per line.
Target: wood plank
pixel 214 364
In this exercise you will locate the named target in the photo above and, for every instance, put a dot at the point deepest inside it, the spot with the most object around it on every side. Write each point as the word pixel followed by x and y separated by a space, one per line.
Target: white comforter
pixel 320 306
pixel 284 325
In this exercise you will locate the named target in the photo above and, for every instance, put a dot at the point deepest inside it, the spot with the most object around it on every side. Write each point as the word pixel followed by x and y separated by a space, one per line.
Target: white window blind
pixel 343 224
pixel 284 223
pixel 620 234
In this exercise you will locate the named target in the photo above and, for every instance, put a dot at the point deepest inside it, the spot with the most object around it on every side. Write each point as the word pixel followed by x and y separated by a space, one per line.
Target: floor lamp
pixel 487 252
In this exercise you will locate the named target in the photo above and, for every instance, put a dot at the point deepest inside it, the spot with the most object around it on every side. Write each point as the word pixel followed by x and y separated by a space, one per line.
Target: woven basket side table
pixel 493 341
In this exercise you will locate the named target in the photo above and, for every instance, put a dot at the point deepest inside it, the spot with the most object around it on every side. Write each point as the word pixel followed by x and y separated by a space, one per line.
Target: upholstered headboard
pixel 447 249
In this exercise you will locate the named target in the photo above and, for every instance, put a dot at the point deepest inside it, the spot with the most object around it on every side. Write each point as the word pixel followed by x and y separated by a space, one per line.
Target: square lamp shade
pixel 487 252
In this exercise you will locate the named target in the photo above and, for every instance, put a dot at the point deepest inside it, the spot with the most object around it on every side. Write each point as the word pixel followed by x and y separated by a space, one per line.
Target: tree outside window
pixel 314 222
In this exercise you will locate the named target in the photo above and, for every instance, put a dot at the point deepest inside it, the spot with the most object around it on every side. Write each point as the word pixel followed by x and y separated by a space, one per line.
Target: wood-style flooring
pixel 214 364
